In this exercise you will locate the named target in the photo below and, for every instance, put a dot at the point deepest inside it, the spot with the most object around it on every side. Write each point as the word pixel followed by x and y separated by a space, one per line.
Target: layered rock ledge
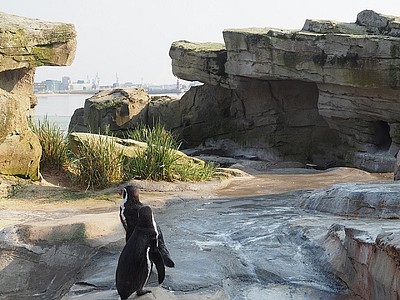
pixel 326 94
pixel 24 45
pixel 368 266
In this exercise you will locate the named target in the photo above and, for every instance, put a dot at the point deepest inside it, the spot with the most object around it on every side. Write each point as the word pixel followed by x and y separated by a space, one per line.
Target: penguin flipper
pixel 163 250
pixel 166 257
pixel 157 259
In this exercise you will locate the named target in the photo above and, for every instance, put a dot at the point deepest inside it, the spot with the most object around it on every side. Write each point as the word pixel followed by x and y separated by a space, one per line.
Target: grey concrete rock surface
pixel 247 240
pixel 357 199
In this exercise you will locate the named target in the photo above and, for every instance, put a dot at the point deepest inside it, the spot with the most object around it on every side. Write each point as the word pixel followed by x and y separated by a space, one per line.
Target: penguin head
pixel 130 194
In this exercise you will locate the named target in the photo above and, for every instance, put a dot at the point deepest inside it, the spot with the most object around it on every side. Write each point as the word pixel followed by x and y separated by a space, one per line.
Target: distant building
pixel 66 82
pixel 81 85
pixel 39 88
pixel 92 86
pixel 47 86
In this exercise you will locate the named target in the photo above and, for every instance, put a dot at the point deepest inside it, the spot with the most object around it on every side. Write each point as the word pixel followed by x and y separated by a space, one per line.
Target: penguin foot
pixel 142 292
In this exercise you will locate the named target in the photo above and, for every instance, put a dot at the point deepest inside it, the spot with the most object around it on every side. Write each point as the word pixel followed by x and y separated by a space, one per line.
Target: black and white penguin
pixel 129 208
pixel 128 214
pixel 137 257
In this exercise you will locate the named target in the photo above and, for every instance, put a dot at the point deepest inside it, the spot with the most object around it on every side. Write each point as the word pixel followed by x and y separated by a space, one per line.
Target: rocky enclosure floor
pixel 239 238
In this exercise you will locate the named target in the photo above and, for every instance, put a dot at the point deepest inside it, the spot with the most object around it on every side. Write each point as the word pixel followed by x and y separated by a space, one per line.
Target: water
pixel 58 108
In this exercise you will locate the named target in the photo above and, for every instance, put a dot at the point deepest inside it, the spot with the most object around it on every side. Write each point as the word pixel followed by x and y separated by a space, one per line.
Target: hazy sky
pixel 132 38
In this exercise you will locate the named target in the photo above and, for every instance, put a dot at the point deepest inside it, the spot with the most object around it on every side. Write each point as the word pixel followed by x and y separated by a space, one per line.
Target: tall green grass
pixel 54 144
pixel 97 163
pixel 160 161
pixel 157 160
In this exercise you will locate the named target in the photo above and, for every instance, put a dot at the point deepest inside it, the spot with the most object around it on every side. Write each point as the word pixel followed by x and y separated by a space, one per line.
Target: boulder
pixel 204 62
pixel 376 23
pixel 374 200
pixel 111 110
pixel 24 45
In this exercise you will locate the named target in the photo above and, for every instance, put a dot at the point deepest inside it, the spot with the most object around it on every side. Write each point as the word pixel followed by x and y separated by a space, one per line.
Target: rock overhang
pixel 355 68
pixel 206 61
pixel 25 44
pixel 28 43
pixel 351 54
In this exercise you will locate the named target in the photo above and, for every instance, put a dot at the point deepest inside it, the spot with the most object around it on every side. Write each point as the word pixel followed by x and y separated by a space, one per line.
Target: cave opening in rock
pixel 382 138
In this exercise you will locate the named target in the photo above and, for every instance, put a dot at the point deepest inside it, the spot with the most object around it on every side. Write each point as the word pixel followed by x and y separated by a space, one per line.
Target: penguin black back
pixel 135 261
pixel 129 209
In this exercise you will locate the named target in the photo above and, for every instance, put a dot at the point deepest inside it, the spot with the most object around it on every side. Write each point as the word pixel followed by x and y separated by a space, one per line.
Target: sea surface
pixel 59 108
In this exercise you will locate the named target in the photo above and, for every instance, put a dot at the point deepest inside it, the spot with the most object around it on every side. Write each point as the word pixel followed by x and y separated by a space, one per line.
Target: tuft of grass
pixel 54 144
pixel 98 163
pixel 159 161
pixel 192 171
pixel 157 134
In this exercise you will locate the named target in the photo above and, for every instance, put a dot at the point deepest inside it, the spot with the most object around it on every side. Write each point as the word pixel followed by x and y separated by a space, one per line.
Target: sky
pixel 130 39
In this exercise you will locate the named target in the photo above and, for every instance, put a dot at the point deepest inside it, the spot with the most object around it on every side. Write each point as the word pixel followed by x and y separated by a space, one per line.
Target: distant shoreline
pixel 63 94
pixel 92 92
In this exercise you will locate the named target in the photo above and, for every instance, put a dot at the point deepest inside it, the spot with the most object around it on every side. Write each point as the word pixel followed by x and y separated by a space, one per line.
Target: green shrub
pixel 157 160
pixel 160 161
pixel 54 144
pixel 191 171
pixel 97 163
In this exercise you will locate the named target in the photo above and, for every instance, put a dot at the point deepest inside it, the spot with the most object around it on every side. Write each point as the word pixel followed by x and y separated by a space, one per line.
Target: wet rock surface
pixel 357 199
pixel 248 240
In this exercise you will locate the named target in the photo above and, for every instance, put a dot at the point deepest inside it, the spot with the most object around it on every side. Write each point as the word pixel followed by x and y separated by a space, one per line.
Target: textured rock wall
pixel 369 267
pixel 273 120
pixel 24 45
pixel 355 68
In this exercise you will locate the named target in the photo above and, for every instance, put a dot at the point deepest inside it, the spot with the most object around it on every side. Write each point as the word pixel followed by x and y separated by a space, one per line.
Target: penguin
pixel 137 257
pixel 128 211
pixel 128 214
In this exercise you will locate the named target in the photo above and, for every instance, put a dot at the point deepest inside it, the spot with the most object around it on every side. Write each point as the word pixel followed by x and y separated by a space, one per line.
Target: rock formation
pixel 326 94
pixel 24 45
pixel 369 267
pixel 374 200
pixel 113 110
pixel 50 254
pixel 367 258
